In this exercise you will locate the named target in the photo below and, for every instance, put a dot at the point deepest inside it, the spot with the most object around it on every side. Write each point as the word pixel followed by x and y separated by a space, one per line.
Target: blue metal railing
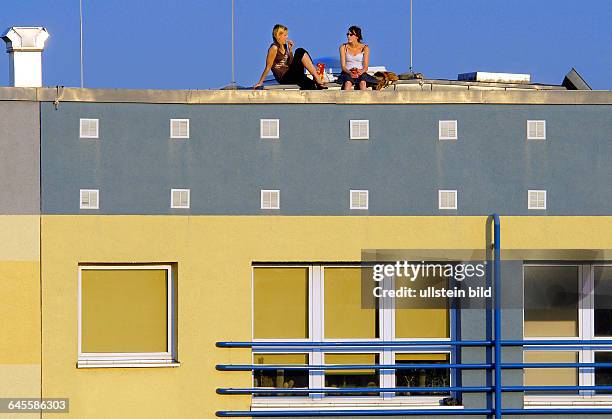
pixel 497 315
pixel 365 412
pixel 346 390
pixel 497 366
pixel 369 344
pixel 225 367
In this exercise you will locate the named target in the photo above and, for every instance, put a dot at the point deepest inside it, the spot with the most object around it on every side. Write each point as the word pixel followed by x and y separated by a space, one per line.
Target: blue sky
pixel 185 44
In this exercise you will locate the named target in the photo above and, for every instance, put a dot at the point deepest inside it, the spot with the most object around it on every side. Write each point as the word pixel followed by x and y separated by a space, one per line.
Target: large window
pixel 568 301
pixel 126 315
pixel 321 303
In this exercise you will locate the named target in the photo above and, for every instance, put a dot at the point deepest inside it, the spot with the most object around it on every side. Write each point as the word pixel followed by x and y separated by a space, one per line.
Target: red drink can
pixel 321 69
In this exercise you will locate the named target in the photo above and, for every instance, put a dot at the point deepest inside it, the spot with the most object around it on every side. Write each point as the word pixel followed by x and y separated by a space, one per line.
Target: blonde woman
pixel 288 67
pixel 355 58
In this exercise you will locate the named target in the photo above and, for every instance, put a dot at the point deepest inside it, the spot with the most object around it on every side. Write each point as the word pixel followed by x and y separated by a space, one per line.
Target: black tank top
pixel 281 62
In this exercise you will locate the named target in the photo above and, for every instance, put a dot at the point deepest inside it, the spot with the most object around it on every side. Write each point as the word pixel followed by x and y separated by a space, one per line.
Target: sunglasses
pixel 350 34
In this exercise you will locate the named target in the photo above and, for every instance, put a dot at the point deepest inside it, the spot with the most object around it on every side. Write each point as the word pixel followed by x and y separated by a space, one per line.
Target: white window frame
pixel 129 359
pixel 89 120
pixel 536 121
pixel 178 206
pixel 357 125
pixel 178 121
pixel 262 122
pixel 89 191
pixel 271 191
pixel 442 135
pixel 354 205
pixel 536 191
pixel 443 191
pixel 316 333
pixel 586 331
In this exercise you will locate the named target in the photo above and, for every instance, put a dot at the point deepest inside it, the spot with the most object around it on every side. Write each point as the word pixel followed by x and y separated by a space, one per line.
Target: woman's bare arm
pixel 366 59
pixel 343 59
pixel 269 61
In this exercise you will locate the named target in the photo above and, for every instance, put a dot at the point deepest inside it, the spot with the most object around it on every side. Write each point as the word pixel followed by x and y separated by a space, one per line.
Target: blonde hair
pixel 278 28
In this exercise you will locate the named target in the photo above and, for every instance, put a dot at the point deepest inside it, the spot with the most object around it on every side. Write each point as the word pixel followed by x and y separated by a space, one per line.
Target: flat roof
pixel 438 94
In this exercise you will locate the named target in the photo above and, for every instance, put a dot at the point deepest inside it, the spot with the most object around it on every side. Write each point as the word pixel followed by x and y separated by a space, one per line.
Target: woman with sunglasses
pixel 354 58
pixel 288 67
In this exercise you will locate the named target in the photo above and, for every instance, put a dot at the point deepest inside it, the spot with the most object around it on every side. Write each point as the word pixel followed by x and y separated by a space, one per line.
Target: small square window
pixel 269 128
pixel 89 199
pixel 359 199
pixel 89 128
pixel 536 130
pixel 179 128
pixel 447 199
pixel 270 199
pixel 180 198
pixel 536 200
pixel 447 130
pixel 360 129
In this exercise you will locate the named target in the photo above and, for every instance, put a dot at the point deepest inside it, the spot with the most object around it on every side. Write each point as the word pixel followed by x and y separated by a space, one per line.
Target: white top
pixel 354 61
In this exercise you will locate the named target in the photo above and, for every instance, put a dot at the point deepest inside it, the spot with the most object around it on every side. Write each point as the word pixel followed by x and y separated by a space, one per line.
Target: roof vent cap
pixel 19 38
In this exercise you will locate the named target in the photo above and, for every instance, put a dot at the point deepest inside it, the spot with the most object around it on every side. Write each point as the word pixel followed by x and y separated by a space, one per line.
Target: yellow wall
pixel 20 371
pixel 214 256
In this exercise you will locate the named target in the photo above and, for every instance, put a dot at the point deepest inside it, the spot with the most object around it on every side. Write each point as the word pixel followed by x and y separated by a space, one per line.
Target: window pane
pixel 422 377
pixel 603 300
pixel 421 317
pixel 351 378
pixel 603 376
pixel 344 316
pixel 551 376
pixel 280 303
pixel 281 378
pixel 551 301
pixel 124 310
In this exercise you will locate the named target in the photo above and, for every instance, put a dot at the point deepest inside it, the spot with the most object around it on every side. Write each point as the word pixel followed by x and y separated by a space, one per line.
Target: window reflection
pixel 603 376
pixel 422 377
pixel 281 378
pixel 603 300
pixel 352 378
pixel 551 301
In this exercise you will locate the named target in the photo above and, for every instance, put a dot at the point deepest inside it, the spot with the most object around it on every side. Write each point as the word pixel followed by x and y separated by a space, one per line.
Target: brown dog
pixel 385 78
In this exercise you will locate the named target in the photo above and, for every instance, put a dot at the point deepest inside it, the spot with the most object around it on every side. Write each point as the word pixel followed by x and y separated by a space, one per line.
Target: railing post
pixel 497 317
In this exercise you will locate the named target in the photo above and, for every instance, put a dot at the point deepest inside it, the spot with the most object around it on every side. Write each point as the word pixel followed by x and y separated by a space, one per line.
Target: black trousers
pixel 295 73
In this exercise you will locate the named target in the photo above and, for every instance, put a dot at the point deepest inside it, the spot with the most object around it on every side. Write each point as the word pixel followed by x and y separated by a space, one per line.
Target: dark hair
pixel 357 31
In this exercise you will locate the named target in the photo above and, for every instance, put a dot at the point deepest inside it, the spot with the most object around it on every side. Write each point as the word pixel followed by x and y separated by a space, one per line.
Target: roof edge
pixel 390 97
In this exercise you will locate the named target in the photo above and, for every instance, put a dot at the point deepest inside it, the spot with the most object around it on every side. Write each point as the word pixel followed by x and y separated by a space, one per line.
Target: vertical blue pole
pixel 497 297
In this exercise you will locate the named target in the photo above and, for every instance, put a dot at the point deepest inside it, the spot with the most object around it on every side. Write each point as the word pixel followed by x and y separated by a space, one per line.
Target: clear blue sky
pixel 185 44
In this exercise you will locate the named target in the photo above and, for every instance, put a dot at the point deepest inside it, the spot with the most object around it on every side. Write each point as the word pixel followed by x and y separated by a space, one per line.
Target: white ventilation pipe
pixel 25 46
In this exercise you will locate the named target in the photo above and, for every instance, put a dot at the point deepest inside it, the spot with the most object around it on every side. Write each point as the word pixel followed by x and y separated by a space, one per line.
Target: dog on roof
pixel 385 79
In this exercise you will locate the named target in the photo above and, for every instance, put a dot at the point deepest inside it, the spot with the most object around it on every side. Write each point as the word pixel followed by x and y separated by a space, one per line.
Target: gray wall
pixel 19 158
pixel 314 164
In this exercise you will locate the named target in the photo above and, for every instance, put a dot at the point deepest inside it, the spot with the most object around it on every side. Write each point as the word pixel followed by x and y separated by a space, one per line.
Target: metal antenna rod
pixel 411 36
pixel 233 57
pixel 81 37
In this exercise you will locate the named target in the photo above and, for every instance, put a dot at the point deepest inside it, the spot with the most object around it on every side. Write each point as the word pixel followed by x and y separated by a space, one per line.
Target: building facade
pixel 147 233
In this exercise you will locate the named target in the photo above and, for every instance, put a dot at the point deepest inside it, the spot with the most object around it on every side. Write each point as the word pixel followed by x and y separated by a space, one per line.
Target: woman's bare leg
pixel 363 85
pixel 347 85
pixel 307 62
